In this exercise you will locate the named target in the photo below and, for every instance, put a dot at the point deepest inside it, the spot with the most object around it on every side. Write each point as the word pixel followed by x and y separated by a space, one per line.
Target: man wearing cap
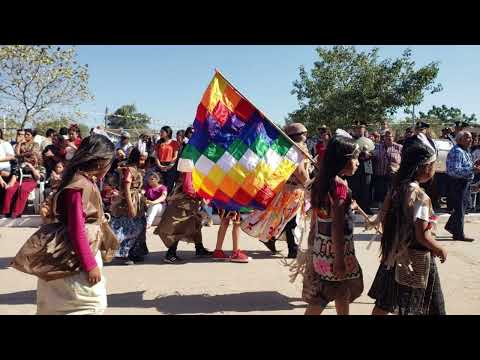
pixel 461 170
pixel 360 182
pixel 124 143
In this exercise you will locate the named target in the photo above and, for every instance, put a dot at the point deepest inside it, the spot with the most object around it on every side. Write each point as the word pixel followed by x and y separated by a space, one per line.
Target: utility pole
pixel 106 115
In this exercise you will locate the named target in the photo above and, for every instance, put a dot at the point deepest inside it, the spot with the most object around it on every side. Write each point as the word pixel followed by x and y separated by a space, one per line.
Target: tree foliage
pixel 447 115
pixel 127 117
pixel 35 78
pixel 345 86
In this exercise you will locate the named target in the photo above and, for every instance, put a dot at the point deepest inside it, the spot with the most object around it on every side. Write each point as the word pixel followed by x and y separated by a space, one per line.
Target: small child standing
pixel 156 194
pixel 56 176
pixel 238 255
pixel 53 184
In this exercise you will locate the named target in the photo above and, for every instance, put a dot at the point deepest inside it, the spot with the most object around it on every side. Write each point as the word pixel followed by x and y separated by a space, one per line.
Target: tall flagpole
pixel 270 121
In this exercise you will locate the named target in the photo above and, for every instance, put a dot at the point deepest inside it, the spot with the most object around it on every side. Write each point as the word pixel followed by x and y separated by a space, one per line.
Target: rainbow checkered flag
pixel 238 159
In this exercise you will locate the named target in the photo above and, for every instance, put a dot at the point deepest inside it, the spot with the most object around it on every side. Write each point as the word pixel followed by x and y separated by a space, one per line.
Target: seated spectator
pixel 7 154
pixel 124 143
pixel 26 173
pixel 155 194
pixel 25 144
pixel 73 142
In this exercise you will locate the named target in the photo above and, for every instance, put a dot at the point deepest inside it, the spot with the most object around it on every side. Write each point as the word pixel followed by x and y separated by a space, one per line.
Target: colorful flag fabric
pixel 238 159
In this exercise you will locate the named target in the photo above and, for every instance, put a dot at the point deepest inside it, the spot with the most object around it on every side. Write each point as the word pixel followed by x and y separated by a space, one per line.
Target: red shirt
pixel 165 152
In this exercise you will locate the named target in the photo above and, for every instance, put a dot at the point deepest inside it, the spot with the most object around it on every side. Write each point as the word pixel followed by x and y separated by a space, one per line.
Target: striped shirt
pixel 385 157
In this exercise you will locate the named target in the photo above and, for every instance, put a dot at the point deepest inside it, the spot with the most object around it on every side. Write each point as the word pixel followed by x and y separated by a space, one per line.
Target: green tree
pixel 127 117
pixel 447 115
pixel 36 78
pixel 345 85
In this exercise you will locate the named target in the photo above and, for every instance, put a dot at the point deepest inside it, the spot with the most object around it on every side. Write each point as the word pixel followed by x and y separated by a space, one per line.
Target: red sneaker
pixel 240 257
pixel 219 255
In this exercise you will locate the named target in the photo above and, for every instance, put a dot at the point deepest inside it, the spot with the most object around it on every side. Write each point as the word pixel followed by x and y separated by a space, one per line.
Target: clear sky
pixel 167 82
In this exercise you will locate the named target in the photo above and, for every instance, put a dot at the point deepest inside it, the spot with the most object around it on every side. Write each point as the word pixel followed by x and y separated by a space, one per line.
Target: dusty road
pixel 205 287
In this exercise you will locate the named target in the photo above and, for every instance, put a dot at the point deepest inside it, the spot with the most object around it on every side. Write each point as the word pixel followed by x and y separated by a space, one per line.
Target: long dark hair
pixel 189 131
pixel 169 132
pixel 337 155
pixel 134 157
pixel 92 150
pixel 414 155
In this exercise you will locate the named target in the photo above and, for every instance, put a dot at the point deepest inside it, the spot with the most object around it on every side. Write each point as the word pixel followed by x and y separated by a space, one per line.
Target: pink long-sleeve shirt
pixel 71 211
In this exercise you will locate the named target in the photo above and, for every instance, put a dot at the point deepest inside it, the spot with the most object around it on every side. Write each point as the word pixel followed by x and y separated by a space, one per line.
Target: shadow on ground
pixel 206 304
pixel 19 298
pixel 156 257
pixel 5 262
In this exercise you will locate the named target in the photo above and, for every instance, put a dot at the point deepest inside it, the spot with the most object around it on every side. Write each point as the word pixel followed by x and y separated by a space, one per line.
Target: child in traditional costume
pixel 182 220
pixel 332 272
pixel 287 208
pixel 128 211
pixel 66 255
pixel 155 194
pixel 407 281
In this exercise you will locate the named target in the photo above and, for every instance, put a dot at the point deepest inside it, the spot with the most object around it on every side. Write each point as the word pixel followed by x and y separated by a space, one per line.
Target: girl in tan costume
pixel 66 255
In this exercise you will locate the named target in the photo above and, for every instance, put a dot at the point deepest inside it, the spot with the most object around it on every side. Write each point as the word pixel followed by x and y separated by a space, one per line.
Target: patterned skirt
pixel 395 298
pixel 131 233
pixel 319 292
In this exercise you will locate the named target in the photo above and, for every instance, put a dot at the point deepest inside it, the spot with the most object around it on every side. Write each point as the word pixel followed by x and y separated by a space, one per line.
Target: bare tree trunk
pixel 25 120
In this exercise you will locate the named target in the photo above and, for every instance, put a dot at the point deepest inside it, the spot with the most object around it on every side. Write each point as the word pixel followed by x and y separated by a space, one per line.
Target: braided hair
pixel 415 157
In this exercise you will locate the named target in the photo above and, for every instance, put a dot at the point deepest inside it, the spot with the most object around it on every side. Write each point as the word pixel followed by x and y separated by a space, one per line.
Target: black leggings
pixel 288 230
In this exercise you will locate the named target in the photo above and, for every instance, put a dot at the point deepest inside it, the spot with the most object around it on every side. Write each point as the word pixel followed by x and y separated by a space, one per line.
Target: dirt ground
pixel 205 287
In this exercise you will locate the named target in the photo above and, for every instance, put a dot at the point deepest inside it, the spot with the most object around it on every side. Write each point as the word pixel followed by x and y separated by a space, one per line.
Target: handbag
pixel 414 271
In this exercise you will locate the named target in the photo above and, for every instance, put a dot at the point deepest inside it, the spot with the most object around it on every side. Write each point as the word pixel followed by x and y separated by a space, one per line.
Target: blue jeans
pixel 458 200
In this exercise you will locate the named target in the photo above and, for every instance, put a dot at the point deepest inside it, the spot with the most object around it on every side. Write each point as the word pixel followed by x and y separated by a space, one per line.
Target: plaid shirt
pixel 459 163
pixel 385 156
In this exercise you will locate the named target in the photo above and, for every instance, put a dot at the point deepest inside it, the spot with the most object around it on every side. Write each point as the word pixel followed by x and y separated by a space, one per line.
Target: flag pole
pixel 270 121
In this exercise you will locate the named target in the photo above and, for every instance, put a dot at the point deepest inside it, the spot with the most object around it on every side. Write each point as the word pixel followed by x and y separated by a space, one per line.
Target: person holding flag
pixel 238 158
pixel 282 213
